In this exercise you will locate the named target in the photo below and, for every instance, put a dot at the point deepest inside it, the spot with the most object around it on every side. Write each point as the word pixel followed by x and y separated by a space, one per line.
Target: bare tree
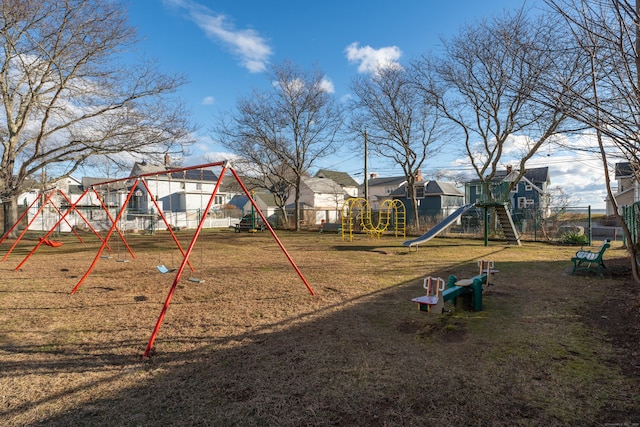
pixel 607 34
pixel 487 83
pixel 286 129
pixel 401 124
pixel 67 95
pixel 265 172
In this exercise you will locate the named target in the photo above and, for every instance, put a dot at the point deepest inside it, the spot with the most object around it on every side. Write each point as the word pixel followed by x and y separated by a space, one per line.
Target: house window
pixel 419 192
pixel 522 202
pixel 528 187
pixel 529 203
pixel 219 200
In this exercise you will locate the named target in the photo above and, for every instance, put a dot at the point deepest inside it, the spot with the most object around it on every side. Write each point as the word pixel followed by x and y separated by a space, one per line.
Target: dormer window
pixel 419 192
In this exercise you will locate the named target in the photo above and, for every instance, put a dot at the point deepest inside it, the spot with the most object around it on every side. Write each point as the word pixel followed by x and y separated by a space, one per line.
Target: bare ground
pixel 251 346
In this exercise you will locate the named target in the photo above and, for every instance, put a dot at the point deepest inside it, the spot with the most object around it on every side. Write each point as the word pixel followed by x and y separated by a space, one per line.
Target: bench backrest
pixel 593 255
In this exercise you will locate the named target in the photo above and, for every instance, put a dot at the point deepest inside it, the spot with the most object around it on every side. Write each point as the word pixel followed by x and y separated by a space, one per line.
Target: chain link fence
pixel 571 224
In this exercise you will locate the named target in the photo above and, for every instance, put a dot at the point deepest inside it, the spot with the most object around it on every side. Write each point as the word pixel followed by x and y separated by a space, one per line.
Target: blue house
pixel 435 199
pixel 529 197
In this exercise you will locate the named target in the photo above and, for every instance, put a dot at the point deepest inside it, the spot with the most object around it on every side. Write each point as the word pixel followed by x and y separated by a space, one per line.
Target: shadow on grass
pixel 368 360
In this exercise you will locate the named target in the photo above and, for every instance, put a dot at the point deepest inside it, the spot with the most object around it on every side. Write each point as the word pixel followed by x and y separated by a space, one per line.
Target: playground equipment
pixel 502 215
pixel 438 228
pixel 131 185
pixel 392 213
pixel 470 289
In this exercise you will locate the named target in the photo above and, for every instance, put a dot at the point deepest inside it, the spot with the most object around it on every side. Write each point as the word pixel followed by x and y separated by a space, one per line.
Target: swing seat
pixel 195 280
pixel 52 243
pixel 164 270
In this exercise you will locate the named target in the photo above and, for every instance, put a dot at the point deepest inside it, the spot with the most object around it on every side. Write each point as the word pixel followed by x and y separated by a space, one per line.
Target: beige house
pixel 628 191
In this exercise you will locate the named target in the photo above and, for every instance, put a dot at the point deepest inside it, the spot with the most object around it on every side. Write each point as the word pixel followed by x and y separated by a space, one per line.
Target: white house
pixel 343 179
pixel 321 198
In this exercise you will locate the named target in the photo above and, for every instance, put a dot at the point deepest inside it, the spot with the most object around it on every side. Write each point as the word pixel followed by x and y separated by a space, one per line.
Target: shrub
pixel 573 238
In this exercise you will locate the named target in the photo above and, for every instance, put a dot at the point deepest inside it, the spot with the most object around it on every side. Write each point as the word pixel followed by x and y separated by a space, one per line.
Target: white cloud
pixel 327 86
pixel 208 100
pixel 251 49
pixel 370 59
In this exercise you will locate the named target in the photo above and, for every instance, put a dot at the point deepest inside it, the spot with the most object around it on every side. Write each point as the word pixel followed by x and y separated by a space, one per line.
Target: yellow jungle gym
pixel 358 211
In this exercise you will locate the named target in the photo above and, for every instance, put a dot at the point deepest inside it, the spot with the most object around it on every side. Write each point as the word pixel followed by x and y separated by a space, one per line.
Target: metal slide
pixel 438 228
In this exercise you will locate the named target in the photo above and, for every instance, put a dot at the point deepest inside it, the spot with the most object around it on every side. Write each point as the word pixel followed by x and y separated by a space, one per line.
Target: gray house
pixel 435 199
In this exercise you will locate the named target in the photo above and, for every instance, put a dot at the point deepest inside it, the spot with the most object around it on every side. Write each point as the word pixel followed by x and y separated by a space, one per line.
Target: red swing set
pixel 186 254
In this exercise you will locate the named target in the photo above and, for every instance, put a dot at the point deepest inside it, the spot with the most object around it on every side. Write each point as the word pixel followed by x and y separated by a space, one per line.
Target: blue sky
pixel 224 47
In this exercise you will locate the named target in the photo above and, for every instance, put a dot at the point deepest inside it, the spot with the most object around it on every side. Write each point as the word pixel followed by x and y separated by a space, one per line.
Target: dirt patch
pixel 618 317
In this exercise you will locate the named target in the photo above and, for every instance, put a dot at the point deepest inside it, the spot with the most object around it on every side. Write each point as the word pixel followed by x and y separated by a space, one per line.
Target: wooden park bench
pixel 584 259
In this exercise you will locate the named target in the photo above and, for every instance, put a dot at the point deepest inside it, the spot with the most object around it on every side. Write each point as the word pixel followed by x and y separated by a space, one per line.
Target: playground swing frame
pixel 186 254
pixel 225 167
pixel 62 217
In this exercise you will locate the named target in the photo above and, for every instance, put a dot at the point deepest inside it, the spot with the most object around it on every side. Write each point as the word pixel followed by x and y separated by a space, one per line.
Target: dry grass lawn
pixel 251 347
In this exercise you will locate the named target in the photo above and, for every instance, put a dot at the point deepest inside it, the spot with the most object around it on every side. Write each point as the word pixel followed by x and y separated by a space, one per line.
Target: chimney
pixel 373 176
pixel 419 176
pixel 509 169
pixel 167 160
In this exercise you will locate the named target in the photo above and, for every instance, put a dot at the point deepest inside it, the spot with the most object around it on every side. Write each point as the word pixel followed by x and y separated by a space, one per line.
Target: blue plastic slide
pixel 438 227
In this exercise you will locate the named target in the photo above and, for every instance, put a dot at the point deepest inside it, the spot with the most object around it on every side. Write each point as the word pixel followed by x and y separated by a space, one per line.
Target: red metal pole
pixel 190 249
pixel 114 223
pixel 44 203
pixel 86 221
pixel 65 219
pixel 165 307
pixel 273 233
pixel 46 236
pixel 20 219
pixel 95 260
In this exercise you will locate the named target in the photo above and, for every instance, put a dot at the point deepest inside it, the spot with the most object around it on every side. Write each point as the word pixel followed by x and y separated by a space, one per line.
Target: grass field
pixel 250 346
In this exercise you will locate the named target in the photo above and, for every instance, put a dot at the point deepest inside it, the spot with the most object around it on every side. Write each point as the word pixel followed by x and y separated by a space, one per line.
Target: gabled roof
pixel 189 175
pixel 444 188
pixel 341 178
pixel 623 170
pixel 432 188
pixel 395 181
pixel 240 200
pixel 534 175
pixel 120 185
pixel 323 186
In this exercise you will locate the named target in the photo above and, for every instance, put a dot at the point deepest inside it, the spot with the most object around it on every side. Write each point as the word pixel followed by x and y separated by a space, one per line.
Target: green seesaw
pixel 437 292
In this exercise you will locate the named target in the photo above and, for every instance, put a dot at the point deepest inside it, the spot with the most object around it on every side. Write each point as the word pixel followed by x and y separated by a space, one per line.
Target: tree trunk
pixel 296 209
pixel 10 210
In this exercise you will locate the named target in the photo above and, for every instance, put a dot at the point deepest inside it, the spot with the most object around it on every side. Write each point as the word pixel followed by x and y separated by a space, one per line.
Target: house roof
pixel 623 170
pixel 240 200
pixel 341 178
pixel 432 188
pixel 323 185
pixel 189 175
pixel 395 181
pixel 534 175
pixel 444 188
pixel 120 185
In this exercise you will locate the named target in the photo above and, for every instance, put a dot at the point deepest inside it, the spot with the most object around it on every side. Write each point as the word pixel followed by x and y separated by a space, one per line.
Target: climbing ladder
pixel 506 223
